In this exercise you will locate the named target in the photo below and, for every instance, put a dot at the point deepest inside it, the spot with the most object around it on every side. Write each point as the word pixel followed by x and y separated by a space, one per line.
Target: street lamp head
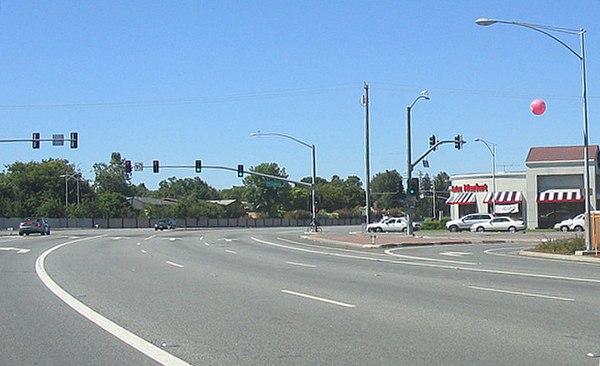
pixel 476 139
pixel 425 94
pixel 485 22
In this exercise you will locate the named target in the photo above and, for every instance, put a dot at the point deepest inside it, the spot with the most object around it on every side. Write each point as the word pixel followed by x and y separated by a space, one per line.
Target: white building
pixel 549 190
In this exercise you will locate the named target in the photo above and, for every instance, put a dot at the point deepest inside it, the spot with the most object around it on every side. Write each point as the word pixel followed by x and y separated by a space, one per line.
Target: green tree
pixel 178 188
pixel 272 201
pixel 384 188
pixel 112 177
pixel 38 189
pixel 113 204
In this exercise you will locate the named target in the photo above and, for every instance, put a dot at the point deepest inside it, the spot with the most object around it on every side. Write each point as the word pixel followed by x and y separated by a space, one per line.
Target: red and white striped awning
pixel 560 195
pixel 503 198
pixel 462 198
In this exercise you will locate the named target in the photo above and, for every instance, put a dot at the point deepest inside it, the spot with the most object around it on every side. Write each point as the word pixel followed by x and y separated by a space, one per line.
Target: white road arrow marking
pixel 456 254
pixel 18 250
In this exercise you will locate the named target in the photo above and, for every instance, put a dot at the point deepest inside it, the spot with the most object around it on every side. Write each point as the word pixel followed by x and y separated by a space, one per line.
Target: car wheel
pixel 480 229
pixel 564 229
pixel 21 234
pixel 404 229
pixel 378 230
pixel 578 228
pixel 512 229
pixel 453 228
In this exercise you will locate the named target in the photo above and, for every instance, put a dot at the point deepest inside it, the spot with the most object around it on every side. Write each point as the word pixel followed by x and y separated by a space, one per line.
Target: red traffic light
pixel 155 166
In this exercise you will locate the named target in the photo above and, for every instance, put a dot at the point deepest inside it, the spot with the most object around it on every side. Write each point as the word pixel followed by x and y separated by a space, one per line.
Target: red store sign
pixel 470 188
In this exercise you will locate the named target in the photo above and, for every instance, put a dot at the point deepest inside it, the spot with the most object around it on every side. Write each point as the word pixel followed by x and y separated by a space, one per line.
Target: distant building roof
pixel 222 202
pixel 139 203
pixel 560 153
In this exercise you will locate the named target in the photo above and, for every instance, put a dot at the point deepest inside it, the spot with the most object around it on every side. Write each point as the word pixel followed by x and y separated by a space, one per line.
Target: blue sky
pixel 178 81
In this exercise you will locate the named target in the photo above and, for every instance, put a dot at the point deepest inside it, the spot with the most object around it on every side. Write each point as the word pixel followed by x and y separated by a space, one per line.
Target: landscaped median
pixel 565 249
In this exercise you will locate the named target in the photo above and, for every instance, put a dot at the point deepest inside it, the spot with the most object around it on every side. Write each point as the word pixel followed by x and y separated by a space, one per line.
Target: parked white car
pixel 391 224
pixel 574 224
pixel 467 221
pixel 499 224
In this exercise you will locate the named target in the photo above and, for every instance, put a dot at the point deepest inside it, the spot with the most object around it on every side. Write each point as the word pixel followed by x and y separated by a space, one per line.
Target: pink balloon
pixel 538 107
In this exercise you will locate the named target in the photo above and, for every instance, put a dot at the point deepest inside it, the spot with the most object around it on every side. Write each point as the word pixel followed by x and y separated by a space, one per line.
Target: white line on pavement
pixel 174 264
pixel 422 264
pixel 143 251
pixel 121 333
pixel 521 293
pixel 17 250
pixel 391 252
pixel 301 264
pixel 231 251
pixel 318 298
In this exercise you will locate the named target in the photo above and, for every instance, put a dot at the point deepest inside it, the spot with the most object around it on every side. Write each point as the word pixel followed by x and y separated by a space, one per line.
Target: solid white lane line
pixel 231 251
pixel 301 264
pixel 121 333
pixel 391 252
pixel 174 264
pixel 318 299
pixel 528 294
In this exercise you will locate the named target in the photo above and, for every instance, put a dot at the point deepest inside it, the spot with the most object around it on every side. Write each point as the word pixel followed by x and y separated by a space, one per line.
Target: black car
pixel 165 224
pixel 33 225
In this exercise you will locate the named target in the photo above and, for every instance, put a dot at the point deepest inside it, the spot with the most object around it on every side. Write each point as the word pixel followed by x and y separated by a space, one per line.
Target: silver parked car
pixel 575 224
pixel 499 224
pixel 467 221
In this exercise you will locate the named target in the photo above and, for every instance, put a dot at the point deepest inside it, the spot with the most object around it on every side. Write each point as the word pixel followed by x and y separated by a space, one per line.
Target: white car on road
pixel 499 224
pixel 574 224
pixel 391 224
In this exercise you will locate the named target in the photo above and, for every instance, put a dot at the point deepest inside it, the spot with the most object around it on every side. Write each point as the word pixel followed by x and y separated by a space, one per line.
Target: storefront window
pixel 549 213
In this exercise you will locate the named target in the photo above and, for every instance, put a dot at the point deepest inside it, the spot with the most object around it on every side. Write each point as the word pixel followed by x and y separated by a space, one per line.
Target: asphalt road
pixel 270 297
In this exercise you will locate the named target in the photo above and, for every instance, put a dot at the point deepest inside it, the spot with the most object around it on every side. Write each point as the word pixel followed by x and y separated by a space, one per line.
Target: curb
pixel 576 258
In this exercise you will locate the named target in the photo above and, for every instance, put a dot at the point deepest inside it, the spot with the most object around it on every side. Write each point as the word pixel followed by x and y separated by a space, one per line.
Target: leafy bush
pixel 432 225
pixel 561 246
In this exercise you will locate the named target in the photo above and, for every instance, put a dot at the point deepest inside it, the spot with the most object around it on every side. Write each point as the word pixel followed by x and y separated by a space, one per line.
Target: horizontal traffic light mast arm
pixel 274 177
pixel 433 147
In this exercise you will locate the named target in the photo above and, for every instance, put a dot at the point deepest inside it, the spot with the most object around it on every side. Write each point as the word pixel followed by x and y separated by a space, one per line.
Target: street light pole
pixel 67 176
pixel 365 103
pixel 545 30
pixel 313 187
pixel 409 165
pixel 492 150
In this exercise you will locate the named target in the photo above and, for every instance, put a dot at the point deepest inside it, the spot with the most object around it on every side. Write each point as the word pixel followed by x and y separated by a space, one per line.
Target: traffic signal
pixel 458 142
pixel 240 170
pixel 432 141
pixel 413 186
pixel 155 166
pixel 74 140
pixel 198 166
pixel 35 140
pixel 127 166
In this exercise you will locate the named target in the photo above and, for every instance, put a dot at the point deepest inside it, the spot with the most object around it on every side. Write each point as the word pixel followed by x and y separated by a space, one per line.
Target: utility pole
pixel 365 103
